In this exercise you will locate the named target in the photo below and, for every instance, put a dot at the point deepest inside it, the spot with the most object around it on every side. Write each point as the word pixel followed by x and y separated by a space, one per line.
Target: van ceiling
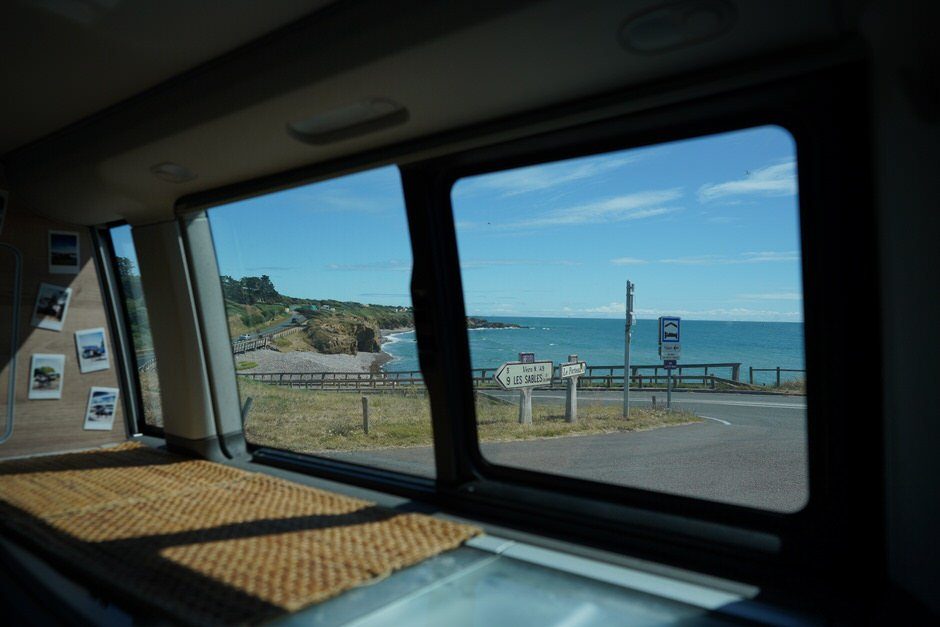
pixel 97 92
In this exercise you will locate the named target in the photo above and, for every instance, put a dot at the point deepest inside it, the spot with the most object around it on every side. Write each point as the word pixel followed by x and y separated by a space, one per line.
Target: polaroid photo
pixel 52 304
pixel 4 198
pixel 92 347
pixel 46 373
pixel 63 252
pixel 102 405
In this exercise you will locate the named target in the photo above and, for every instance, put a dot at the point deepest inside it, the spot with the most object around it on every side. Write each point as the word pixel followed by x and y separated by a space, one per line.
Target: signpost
pixel 571 371
pixel 524 376
pixel 670 349
pixel 627 335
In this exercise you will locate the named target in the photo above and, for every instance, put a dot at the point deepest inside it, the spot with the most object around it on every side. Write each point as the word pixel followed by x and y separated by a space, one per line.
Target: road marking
pixel 724 422
pixel 693 401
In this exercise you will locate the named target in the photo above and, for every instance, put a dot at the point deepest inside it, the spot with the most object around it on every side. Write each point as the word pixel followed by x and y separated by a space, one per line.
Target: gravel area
pixel 274 361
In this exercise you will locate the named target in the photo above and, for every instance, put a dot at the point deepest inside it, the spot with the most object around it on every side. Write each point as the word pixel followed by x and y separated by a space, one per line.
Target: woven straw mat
pixel 207 543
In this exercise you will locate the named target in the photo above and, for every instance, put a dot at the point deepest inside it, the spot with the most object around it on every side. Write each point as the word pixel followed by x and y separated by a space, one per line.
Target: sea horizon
pixel 600 342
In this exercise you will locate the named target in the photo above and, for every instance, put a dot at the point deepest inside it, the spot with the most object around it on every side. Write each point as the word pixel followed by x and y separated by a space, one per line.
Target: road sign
pixel 527 358
pixel 669 364
pixel 573 370
pixel 669 330
pixel 670 351
pixel 515 375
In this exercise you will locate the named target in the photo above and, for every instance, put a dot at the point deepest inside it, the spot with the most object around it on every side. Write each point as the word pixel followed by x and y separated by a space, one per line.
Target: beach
pixel 270 361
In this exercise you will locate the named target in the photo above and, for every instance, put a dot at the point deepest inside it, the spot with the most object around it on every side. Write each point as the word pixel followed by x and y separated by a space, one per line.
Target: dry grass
pixel 236 327
pixel 150 393
pixel 293 342
pixel 311 421
pixel 793 386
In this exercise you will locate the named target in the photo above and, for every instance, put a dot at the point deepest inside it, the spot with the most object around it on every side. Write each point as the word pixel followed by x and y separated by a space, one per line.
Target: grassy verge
pixel 311 421
pixel 794 386
pixel 246 365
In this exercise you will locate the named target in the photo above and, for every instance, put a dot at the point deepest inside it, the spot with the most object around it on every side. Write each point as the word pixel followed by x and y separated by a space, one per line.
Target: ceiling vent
pixel 678 25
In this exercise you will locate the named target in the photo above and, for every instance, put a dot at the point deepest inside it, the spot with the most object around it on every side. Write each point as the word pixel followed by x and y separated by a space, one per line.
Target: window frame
pixel 121 330
pixel 835 493
pixel 824 110
pixel 595 140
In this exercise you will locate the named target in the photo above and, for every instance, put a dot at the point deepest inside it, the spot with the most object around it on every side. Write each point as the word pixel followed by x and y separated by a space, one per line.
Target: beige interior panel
pixel 45 426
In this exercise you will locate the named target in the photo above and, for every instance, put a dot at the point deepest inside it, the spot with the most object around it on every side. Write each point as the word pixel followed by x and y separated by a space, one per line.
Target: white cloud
pixel 541 177
pixel 628 261
pixel 749 257
pixel 773 180
pixel 610 308
pixel 616 310
pixel 636 206
pixel 722 313
pixel 471 264
pixel 371 266
pixel 772 296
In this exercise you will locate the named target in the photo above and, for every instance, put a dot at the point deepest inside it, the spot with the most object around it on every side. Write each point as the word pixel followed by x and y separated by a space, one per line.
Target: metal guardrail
pixel 642 376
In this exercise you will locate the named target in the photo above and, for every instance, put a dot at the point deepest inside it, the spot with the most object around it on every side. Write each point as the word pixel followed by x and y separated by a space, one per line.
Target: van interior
pixel 408 312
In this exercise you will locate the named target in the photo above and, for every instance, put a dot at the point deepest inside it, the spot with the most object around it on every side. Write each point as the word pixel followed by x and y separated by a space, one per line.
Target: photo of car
pixel 92 349
pixel 52 305
pixel 102 405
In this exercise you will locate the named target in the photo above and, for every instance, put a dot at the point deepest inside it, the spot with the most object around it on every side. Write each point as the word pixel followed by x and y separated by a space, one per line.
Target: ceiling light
pixel 351 120
pixel 172 172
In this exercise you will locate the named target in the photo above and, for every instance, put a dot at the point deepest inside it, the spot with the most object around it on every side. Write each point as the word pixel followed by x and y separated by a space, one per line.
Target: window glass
pixel 707 232
pixel 135 307
pixel 316 286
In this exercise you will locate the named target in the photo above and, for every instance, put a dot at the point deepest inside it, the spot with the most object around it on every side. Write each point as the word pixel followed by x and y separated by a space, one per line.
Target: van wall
pixel 45 426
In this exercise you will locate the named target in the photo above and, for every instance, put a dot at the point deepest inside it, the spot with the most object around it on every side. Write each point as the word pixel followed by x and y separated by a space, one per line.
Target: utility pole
pixel 627 335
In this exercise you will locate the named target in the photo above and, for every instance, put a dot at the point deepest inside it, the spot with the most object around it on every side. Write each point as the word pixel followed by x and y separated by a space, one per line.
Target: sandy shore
pixel 297 361
pixel 384 333
pixel 312 361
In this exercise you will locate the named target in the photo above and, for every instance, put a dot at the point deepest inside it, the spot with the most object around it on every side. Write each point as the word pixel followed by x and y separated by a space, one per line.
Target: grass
pixel 150 393
pixel 311 421
pixel 793 386
pixel 253 318
pixel 246 365
pixel 293 342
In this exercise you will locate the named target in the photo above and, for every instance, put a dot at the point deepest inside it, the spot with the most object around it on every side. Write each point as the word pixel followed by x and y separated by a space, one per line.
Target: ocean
pixel 600 342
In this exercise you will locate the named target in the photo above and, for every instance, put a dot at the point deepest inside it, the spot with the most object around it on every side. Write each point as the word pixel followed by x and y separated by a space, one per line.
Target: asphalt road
pixel 749 450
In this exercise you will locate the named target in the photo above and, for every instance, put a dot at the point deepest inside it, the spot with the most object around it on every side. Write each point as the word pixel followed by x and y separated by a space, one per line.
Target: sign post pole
pixel 670 348
pixel 571 398
pixel 628 334
pixel 524 375
pixel 669 388
pixel 525 406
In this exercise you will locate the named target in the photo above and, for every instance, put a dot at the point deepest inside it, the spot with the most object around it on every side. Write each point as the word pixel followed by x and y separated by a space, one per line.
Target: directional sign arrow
pixel 573 369
pixel 514 375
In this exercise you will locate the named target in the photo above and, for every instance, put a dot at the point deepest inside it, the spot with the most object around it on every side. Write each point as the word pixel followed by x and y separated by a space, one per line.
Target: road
pixel 749 450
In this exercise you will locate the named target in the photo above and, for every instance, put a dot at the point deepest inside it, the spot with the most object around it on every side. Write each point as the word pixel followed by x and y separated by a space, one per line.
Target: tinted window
pixel 316 285
pixel 707 231
pixel 135 306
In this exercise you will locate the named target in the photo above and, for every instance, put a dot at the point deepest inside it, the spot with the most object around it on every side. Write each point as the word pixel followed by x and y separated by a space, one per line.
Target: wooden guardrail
pixel 243 346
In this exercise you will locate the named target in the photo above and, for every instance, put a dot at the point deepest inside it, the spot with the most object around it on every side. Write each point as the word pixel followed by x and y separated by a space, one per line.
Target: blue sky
pixel 706 229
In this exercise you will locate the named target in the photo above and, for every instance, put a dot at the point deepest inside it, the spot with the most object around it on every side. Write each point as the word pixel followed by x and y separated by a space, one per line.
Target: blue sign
pixel 669 330
pixel 669 364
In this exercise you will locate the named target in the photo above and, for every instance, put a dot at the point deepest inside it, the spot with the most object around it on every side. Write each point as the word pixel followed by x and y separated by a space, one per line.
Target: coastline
pixel 271 361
